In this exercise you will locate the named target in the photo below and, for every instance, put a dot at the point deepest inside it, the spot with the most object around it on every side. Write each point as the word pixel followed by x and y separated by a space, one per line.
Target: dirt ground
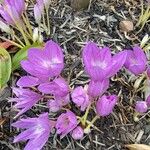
pixel 72 29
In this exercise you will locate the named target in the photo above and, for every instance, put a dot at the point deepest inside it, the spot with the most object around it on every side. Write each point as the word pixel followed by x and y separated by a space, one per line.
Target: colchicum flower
pixel 98 88
pixel 11 10
pixel 45 63
pixel 66 122
pixel 136 60
pixel 80 98
pixel 105 105
pixel 77 133
pixel 37 131
pixel 99 64
pixel 141 106
pixel 25 99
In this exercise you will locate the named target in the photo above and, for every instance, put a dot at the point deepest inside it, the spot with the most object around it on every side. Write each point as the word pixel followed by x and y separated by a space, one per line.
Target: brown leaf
pixel 138 147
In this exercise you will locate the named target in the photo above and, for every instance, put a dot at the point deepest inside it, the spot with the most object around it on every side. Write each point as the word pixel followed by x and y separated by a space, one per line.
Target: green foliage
pixel 5 67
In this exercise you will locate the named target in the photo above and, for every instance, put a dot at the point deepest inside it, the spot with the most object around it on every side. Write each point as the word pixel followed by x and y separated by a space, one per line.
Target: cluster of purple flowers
pixel 12 10
pixel 44 67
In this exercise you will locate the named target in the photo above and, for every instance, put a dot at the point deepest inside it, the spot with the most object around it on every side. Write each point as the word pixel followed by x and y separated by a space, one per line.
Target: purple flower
pixel 53 105
pixel 148 101
pixel 28 81
pixel 37 131
pixel 58 87
pixel 99 63
pixel 98 88
pixel 25 99
pixel 136 60
pixel 80 98
pixel 105 105
pixel 141 106
pixel 77 133
pixel 45 63
pixel 66 122
pixel 11 10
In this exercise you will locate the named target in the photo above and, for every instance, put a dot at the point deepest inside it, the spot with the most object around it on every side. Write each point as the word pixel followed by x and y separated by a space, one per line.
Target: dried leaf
pixel 138 147
pixel 5 44
pixel 144 40
pixel 2 121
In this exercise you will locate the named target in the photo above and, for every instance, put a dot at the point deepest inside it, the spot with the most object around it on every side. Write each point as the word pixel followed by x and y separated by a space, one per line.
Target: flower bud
pixel 80 98
pixel 141 106
pixel 53 106
pixel 105 105
pixel 77 133
pixel 37 13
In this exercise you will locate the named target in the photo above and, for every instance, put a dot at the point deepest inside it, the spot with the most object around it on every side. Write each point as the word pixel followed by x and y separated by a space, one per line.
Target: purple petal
pixel 98 88
pixel 117 63
pixel 25 135
pixel 28 81
pixel 25 123
pixel 58 87
pixel 40 142
pixel 54 52
pixel 35 70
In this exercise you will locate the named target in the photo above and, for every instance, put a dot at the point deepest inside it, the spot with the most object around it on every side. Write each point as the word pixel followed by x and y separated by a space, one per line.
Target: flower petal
pixel 28 81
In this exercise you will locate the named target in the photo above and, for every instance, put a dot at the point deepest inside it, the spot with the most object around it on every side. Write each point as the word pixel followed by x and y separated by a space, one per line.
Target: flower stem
pixel 27 22
pixel 84 118
pixel 17 38
pixel 48 21
pixel 92 122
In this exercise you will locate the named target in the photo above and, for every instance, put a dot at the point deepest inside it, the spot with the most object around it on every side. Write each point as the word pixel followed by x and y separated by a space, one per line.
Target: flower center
pixel 100 64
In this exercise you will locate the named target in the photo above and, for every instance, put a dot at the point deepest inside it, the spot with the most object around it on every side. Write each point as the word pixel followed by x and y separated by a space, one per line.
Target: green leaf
pixel 5 67
pixel 21 55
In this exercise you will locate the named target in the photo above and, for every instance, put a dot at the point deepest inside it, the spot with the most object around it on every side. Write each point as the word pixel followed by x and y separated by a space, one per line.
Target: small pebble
pixel 126 26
